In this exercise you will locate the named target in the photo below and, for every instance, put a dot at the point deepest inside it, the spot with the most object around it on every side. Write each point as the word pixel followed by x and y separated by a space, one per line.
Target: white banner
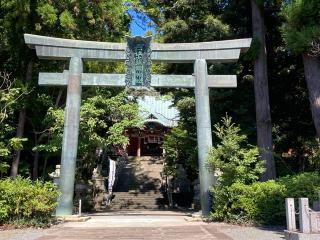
pixel 112 174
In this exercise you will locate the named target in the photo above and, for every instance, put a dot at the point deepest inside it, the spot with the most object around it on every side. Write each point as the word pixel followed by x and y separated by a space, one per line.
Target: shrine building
pixel 159 118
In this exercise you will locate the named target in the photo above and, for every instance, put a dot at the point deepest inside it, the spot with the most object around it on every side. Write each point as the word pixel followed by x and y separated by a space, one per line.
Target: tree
pixel 103 120
pixel 178 141
pixel 261 90
pixel 10 93
pixel 233 157
pixel 301 32
pixel 94 20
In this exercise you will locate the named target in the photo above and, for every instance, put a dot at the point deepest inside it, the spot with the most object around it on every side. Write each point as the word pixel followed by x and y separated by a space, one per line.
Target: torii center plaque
pixel 138 62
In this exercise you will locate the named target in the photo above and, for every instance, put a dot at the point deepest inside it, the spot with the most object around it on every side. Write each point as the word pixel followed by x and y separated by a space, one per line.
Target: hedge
pixel 27 202
pixel 262 202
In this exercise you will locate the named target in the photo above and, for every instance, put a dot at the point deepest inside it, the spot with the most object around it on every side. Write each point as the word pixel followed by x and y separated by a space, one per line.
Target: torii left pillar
pixel 204 133
pixel 70 138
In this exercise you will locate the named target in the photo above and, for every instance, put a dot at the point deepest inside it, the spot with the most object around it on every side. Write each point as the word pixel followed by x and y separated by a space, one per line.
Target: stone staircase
pixel 138 185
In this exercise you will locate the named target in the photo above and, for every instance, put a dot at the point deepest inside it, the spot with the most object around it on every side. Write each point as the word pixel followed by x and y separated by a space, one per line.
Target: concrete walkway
pixel 134 225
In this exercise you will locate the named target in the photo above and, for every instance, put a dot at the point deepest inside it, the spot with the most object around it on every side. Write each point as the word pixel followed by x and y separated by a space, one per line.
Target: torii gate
pixel 77 51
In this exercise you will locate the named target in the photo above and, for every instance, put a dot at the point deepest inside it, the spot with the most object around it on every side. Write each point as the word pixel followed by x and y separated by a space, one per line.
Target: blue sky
pixel 139 24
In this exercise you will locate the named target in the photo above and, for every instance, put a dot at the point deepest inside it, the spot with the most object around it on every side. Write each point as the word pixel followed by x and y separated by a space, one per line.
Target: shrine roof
pixel 158 109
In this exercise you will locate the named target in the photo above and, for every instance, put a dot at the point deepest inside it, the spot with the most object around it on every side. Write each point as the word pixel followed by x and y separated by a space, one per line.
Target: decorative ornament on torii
pixel 138 54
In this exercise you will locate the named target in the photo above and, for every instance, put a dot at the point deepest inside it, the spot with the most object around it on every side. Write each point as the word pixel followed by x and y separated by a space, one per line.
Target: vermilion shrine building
pixel 159 118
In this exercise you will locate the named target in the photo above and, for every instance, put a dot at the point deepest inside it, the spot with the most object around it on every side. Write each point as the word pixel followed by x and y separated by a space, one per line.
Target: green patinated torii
pixel 78 51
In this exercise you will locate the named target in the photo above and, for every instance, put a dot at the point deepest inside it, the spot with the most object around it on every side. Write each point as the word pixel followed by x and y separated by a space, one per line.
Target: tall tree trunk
pixel 21 124
pixel 35 168
pixel 44 167
pixel 312 75
pixel 261 91
pixel 20 131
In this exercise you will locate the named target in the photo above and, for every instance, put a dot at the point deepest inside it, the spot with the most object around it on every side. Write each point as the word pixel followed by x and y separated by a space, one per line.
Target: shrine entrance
pixel 148 141
pixel 138 53
pixel 159 117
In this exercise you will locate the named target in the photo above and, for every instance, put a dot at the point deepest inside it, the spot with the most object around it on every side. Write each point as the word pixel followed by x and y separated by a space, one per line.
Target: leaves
pixel 10 94
pixel 263 202
pixel 301 28
pixel 17 143
pixel 67 21
pixel 104 20
pixel 232 156
pixel 47 14
pixel 23 199
pixel 188 20
pixel 104 117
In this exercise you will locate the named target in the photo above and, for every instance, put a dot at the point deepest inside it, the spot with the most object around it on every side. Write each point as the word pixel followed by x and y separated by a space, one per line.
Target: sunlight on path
pixel 134 225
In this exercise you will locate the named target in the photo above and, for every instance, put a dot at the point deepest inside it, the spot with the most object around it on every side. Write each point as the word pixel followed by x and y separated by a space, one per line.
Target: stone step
pixel 124 197
pixel 128 206
pixel 147 194
pixel 136 203
pixel 138 200
pixel 125 207
pixel 133 201
pixel 138 193
pixel 139 183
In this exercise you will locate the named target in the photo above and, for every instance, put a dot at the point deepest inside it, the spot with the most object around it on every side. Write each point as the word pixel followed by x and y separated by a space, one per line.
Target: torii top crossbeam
pixel 63 49
pixel 213 52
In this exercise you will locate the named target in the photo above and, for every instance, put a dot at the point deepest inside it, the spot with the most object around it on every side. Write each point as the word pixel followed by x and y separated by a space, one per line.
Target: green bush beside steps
pixel 27 203
pixel 262 202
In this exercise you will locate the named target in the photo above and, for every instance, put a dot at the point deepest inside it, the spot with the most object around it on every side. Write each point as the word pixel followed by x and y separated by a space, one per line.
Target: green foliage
pixel 17 143
pixel 47 13
pixel 312 148
pixel 24 200
pixel 301 29
pixel 177 151
pixel 302 185
pixel 262 202
pixel 178 141
pixel 256 203
pixel 104 20
pixel 104 116
pixel 67 21
pixel 233 157
pixel 11 92
pixel 4 211
pixel 188 20
pixel 215 26
pixel 4 167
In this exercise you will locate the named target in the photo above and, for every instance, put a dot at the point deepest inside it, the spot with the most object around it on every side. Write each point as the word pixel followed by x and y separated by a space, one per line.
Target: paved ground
pixel 136 225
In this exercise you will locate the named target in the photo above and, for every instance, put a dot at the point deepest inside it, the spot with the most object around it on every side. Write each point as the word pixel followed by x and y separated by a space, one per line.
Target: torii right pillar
pixel 204 134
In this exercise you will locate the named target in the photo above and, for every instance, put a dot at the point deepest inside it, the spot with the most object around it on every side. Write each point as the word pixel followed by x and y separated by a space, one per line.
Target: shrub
pixel 262 202
pixel 22 200
pixel 4 211
pixel 302 185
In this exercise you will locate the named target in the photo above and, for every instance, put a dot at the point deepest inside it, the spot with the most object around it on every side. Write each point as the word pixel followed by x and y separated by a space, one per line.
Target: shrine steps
pixel 139 185
pixel 149 200
pixel 140 174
